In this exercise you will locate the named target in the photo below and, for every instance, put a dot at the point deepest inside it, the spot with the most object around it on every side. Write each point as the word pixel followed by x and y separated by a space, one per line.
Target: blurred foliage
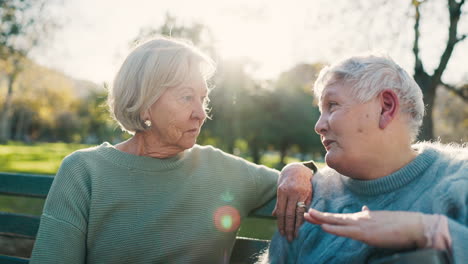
pixel 250 118
pixel 451 117
pixel 24 24
pixel 38 158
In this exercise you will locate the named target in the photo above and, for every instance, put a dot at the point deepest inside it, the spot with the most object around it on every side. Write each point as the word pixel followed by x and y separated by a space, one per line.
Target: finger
pixel 312 220
pixel 300 215
pixel 280 212
pixel 308 200
pixel 353 232
pixel 365 208
pixel 299 220
pixel 290 218
pixel 309 197
pixel 329 218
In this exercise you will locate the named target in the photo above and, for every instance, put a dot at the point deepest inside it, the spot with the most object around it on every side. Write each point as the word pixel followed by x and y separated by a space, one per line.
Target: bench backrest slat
pixel 26 225
pixel 247 250
pixel 28 185
pixel 13 260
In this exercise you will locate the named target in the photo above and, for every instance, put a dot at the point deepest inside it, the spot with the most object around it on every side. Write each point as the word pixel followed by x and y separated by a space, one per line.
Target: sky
pixel 96 34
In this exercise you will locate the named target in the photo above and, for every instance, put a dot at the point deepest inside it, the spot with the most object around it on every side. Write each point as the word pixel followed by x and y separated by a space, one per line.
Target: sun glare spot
pixel 226 221
pixel 226 218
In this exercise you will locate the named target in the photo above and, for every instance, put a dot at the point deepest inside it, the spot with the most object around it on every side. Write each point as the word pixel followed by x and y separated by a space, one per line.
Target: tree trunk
pixel 254 149
pixel 230 146
pixel 428 125
pixel 283 152
pixel 18 135
pixel 428 88
pixel 5 115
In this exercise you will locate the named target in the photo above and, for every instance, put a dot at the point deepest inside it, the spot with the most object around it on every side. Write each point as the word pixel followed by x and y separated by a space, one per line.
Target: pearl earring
pixel 148 123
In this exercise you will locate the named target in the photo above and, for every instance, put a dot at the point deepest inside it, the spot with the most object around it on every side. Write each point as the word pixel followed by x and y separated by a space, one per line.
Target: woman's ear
pixel 145 115
pixel 390 104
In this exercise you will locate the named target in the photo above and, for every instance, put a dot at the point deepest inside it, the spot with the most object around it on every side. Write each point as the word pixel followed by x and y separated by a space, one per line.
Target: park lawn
pixel 39 158
pixel 45 158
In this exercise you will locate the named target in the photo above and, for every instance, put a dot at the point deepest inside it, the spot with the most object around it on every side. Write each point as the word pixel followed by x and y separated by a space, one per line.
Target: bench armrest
pixel 428 256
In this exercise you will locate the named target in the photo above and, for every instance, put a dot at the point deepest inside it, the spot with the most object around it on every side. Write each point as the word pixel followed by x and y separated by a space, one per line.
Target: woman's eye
pixel 187 98
pixel 331 105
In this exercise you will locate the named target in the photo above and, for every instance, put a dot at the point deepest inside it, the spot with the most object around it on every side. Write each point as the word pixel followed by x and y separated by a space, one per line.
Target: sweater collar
pixel 143 163
pixel 395 180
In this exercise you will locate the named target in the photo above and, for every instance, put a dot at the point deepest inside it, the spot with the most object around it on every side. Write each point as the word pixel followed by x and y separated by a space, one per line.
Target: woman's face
pixel 177 116
pixel 348 129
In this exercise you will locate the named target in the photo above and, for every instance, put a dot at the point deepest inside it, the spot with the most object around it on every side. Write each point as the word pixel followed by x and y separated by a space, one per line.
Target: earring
pixel 148 123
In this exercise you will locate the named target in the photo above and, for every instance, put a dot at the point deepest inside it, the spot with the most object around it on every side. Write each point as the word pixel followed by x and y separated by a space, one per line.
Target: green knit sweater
pixel 107 206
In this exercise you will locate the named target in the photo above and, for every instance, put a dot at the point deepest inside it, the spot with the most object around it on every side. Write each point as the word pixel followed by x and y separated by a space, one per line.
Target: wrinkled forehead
pixel 333 87
pixel 185 74
pixel 194 80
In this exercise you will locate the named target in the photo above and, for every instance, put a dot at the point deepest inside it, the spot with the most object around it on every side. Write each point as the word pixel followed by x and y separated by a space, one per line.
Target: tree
pixel 404 30
pixel 24 24
pixel 295 114
pixel 451 114
pixel 430 82
pixel 229 101
pixel 197 33
pixel 43 95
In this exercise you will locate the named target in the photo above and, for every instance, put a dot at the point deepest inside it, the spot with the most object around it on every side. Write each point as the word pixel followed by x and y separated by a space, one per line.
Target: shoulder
pixel 453 152
pixel 451 160
pixel 229 163
pixel 217 155
pixel 81 155
pixel 78 164
pixel 450 169
pixel 328 184
pixel 213 152
pixel 327 176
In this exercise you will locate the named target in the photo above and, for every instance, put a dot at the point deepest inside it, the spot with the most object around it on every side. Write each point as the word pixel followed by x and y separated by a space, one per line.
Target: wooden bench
pixel 24 227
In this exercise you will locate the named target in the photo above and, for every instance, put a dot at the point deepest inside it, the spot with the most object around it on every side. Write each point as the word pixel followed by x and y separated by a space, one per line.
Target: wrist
pixel 436 232
pixel 295 170
pixel 420 237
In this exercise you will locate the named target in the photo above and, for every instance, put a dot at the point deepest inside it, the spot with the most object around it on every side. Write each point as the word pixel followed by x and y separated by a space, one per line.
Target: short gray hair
pixel 147 72
pixel 368 75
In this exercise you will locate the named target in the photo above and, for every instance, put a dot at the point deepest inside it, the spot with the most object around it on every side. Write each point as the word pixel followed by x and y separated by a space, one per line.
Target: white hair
pixel 147 72
pixel 368 75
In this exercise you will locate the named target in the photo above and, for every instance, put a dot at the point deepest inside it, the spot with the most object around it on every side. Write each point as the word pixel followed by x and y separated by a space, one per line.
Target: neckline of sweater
pixel 142 163
pixel 395 180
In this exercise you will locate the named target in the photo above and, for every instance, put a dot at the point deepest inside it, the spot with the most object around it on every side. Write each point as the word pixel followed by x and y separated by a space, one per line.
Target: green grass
pixel 23 205
pixel 260 228
pixel 40 158
pixel 45 158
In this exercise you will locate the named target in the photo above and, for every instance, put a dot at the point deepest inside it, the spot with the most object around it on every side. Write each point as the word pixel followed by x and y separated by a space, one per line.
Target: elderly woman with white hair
pixel 159 197
pixel 380 193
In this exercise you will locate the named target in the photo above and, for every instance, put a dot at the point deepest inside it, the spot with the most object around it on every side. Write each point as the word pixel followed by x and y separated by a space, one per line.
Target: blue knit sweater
pixel 435 182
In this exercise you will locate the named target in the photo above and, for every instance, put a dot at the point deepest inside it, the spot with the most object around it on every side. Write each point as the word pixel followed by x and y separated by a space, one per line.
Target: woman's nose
pixel 199 111
pixel 321 125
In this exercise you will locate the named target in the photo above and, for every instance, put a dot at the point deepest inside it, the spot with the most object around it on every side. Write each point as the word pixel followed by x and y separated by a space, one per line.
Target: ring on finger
pixel 301 205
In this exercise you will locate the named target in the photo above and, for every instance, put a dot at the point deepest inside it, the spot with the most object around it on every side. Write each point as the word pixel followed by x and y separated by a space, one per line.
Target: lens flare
pixel 226 218
pixel 227 197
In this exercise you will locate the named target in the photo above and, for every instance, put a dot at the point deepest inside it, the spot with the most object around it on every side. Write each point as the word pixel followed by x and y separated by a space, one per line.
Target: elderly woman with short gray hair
pixel 159 197
pixel 380 193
